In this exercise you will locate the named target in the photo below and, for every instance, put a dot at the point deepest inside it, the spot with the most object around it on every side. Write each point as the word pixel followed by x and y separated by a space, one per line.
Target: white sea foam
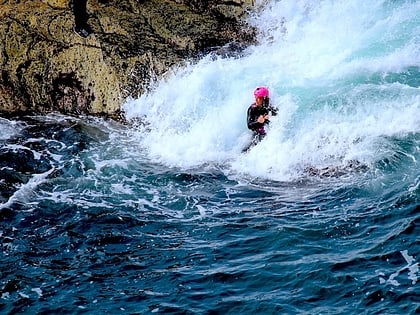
pixel 412 269
pixel 24 192
pixel 9 128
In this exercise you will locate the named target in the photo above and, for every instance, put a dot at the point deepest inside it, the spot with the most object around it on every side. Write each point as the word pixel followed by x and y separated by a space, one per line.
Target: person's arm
pixel 273 110
pixel 270 108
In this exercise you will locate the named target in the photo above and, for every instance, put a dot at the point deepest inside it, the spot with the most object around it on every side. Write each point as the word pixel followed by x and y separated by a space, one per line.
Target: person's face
pixel 259 100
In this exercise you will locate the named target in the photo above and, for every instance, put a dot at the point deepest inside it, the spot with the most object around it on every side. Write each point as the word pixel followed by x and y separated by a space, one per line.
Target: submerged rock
pixel 45 66
pixel 351 166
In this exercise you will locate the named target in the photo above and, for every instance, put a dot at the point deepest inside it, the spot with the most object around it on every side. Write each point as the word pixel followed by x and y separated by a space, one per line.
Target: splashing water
pixel 344 75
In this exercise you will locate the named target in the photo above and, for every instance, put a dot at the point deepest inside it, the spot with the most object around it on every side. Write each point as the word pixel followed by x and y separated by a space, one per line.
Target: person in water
pixel 259 113
pixel 81 16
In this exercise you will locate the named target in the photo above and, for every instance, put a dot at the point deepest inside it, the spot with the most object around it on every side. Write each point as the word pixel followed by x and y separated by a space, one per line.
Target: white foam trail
pixel 412 267
pixel 23 194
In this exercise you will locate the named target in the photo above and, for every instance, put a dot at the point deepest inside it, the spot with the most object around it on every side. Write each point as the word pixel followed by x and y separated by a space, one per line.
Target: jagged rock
pixel 45 66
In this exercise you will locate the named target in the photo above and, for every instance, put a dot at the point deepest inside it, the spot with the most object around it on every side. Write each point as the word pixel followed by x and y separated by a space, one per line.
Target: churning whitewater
pixel 343 82
pixel 166 215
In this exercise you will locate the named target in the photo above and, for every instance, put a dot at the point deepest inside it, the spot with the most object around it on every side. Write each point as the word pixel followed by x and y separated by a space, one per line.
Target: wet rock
pixel 351 166
pixel 45 66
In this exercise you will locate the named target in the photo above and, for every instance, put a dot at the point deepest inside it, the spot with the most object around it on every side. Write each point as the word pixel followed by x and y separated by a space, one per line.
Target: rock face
pixel 45 66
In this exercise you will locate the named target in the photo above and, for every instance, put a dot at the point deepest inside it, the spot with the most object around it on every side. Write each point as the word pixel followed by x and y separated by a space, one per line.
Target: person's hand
pixel 261 119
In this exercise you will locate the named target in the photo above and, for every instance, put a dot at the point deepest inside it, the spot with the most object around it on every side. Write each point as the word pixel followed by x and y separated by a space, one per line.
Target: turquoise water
pixel 167 216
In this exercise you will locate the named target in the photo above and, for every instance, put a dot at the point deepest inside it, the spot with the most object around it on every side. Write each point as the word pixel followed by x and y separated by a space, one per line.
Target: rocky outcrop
pixel 45 66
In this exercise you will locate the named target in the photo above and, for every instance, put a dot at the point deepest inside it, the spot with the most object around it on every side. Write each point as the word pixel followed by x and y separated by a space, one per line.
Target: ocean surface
pixel 165 215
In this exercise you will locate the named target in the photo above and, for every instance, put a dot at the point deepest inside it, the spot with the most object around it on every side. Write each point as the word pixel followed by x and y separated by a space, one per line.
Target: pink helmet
pixel 261 92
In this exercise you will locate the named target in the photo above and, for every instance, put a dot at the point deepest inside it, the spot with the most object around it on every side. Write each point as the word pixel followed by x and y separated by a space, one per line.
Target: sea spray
pixel 328 65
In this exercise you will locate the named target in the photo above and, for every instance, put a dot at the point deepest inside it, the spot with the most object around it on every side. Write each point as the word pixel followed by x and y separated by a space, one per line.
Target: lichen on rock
pixel 45 66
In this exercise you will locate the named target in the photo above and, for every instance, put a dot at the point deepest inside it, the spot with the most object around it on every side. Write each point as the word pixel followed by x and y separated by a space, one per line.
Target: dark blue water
pixel 131 237
pixel 165 215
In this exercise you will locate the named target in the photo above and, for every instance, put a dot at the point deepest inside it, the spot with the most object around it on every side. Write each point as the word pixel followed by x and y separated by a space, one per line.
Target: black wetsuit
pixel 81 17
pixel 254 112
pixel 258 129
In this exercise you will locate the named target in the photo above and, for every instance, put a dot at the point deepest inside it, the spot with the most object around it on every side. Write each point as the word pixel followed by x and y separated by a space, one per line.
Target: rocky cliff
pixel 45 66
